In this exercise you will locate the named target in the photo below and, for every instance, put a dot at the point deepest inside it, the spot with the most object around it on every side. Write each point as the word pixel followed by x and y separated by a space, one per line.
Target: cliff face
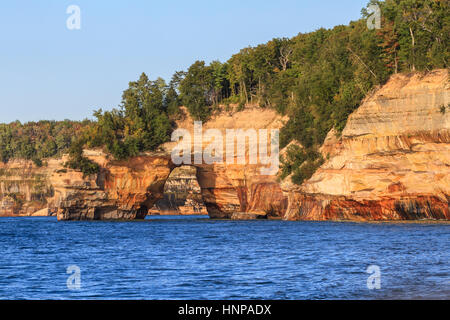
pixel 230 188
pixel 122 190
pixel 24 188
pixel 227 189
pixel 129 189
pixel 392 161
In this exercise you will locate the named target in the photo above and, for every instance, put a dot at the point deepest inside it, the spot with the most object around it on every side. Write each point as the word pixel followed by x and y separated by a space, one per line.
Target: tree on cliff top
pixel 195 90
pixel 38 140
pixel 140 124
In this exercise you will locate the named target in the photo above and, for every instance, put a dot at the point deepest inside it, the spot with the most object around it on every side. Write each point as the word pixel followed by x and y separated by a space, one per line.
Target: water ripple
pixel 196 258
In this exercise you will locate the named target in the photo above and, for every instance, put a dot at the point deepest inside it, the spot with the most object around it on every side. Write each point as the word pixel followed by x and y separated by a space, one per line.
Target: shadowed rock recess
pixel 182 194
pixel 392 162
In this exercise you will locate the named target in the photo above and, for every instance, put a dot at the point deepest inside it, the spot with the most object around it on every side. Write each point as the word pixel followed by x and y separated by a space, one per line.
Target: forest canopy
pixel 38 140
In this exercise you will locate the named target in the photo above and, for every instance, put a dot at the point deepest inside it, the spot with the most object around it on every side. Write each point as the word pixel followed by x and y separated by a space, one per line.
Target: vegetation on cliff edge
pixel 38 140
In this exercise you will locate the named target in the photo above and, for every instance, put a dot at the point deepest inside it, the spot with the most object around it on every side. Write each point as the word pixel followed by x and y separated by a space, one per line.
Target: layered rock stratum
pixel 124 190
pixel 25 188
pixel 130 189
pixel 230 188
pixel 390 163
pixel 182 194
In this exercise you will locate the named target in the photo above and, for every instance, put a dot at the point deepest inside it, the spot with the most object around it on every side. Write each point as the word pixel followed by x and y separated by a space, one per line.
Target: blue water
pixel 197 258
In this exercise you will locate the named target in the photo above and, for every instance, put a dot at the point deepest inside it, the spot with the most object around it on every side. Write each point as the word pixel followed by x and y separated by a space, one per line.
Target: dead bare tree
pixel 285 54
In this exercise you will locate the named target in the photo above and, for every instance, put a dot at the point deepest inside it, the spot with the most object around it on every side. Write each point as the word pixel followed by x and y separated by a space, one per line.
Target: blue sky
pixel 50 72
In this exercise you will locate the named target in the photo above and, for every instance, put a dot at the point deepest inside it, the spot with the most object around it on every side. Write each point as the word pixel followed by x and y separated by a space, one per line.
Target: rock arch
pixel 127 189
pixel 132 184
pixel 182 194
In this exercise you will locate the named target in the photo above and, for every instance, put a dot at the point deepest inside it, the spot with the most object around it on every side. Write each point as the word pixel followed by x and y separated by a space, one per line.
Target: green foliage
pixel 196 89
pixel 38 162
pixel 318 79
pixel 301 163
pixel 141 124
pixel 443 109
pixel 79 162
pixel 337 68
pixel 38 140
pixel 416 33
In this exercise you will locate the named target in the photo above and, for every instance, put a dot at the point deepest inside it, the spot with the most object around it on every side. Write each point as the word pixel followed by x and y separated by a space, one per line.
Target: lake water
pixel 198 258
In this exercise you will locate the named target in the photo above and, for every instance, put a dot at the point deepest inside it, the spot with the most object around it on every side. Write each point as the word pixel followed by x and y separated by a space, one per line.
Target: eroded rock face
pixel 392 162
pixel 25 188
pixel 123 190
pixel 230 188
pixel 234 188
pixel 128 189
pixel 182 194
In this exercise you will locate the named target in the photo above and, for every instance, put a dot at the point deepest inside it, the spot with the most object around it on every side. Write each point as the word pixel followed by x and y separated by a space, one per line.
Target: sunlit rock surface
pixel 122 190
pixel 392 162
pixel 229 188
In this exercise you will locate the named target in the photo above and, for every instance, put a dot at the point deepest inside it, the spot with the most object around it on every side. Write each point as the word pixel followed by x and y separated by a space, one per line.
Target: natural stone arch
pixel 136 184
pixel 182 194
pixel 126 190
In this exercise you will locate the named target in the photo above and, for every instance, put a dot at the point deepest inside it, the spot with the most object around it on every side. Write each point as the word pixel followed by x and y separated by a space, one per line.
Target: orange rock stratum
pixel 392 161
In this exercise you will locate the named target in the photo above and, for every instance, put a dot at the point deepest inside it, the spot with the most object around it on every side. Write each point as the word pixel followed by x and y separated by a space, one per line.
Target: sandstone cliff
pixel 230 188
pixel 122 190
pixel 129 189
pixel 25 188
pixel 392 161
